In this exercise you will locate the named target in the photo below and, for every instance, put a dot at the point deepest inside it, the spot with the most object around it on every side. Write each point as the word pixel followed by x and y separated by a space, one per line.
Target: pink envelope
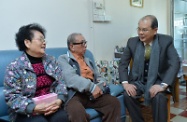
pixel 48 98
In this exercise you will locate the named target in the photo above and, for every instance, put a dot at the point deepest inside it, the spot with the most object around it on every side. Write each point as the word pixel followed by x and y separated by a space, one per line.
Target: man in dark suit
pixel 154 68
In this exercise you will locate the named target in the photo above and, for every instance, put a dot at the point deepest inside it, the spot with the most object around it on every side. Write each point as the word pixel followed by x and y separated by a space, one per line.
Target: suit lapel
pixel 138 62
pixel 153 69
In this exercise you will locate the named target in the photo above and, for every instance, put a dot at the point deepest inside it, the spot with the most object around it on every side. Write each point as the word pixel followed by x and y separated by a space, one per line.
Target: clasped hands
pixel 97 91
pixel 131 89
pixel 47 108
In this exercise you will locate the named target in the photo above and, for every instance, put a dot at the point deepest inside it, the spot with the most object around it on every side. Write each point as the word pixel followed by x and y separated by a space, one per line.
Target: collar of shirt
pixel 151 43
pixel 77 57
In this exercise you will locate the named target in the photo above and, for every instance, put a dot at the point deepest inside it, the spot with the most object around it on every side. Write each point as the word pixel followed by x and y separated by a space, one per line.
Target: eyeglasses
pixel 83 43
pixel 144 30
pixel 42 40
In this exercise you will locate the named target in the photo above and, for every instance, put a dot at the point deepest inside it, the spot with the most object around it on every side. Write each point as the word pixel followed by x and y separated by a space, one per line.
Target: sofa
pixel 8 55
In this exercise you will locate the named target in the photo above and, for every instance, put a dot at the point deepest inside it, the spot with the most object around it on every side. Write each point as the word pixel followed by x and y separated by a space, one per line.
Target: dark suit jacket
pixel 168 65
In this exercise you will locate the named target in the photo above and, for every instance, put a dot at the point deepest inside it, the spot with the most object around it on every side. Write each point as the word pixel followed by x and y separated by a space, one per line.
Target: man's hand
pixel 155 89
pixel 97 92
pixel 130 89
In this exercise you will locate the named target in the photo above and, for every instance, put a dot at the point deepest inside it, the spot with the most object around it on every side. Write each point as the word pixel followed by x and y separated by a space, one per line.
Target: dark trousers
pixel 107 105
pixel 59 116
pixel 159 108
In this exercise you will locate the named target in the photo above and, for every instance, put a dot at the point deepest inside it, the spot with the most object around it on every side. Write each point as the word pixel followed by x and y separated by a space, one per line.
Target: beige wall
pixel 124 24
pixel 61 17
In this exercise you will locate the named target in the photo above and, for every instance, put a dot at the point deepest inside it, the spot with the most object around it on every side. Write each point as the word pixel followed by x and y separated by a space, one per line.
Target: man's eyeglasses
pixel 83 43
pixel 144 30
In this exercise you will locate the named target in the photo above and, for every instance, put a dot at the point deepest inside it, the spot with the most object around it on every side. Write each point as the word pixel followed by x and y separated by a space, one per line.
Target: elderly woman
pixel 33 74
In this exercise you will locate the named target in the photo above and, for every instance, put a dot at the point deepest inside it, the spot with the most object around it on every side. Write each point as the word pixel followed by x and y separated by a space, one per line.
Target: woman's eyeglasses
pixel 42 40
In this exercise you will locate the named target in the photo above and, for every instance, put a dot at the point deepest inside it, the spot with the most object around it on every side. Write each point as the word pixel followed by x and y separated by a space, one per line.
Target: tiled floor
pixel 179 110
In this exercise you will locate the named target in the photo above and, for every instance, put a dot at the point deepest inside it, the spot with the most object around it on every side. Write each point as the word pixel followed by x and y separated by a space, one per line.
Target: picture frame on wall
pixel 136 3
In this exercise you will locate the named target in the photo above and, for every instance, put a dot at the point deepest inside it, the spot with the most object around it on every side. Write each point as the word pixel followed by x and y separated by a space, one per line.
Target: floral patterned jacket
pixel 20 84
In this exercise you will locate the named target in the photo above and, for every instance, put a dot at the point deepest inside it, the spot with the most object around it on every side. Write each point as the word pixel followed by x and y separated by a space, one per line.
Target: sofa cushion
pixel 4 107
pixel 116 90
pixel 6 57
pixel 93 113
pixel 4 118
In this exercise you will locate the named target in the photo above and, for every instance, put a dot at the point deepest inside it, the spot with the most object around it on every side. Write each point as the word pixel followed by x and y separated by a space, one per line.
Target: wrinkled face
pixel 79 45
pixel 36 46
pixel 145 32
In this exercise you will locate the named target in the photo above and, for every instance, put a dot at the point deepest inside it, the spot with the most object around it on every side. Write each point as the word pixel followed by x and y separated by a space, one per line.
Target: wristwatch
pixel 163 86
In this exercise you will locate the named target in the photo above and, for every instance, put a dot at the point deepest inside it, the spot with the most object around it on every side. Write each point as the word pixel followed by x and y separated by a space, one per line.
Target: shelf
pixel 180 12
pixel 181 26
pixel 182 48
pixel 180 39
pixel 184 0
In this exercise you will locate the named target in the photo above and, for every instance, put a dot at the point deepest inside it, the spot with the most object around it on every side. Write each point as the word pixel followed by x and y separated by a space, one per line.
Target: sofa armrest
pixel 116 90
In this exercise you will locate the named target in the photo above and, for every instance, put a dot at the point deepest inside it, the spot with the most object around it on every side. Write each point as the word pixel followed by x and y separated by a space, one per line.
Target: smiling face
pixel 79 45
pixel 36 46
pixel 145 32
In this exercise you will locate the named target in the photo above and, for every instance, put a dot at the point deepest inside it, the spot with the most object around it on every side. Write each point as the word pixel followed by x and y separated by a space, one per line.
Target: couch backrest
pixel 9 55
pixel 6 57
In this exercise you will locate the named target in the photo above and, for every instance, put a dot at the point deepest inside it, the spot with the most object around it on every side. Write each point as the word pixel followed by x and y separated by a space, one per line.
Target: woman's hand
pixel 53 107
pixel 40 108
pixel 48 108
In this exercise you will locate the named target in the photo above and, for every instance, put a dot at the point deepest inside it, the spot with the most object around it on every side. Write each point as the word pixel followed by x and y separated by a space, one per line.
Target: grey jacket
pixel 71 74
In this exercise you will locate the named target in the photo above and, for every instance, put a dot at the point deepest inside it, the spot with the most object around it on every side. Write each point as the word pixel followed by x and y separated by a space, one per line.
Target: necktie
pixel 147 51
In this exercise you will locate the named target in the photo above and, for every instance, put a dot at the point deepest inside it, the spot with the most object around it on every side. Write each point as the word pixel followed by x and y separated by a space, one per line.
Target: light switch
pixel 98 5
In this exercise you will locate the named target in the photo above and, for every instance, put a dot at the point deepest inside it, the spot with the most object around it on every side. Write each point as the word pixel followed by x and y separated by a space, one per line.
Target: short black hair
pixel 154 21
pixel 26 32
